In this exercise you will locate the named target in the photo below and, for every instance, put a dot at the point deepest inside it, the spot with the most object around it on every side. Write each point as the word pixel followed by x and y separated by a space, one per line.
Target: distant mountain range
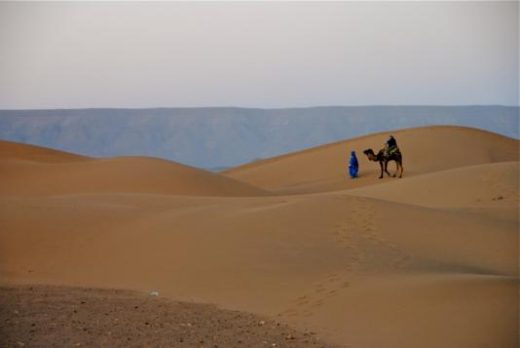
pixel 218 137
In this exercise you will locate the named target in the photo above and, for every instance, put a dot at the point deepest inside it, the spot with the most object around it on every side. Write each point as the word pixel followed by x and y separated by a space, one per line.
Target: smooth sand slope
pixel 28 170
pixel 15 151
pixel 393 264
pixel 425 150
pixel 470 187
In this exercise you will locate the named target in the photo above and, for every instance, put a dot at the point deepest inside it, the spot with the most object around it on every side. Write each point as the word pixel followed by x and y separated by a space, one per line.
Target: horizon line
pixel 260 108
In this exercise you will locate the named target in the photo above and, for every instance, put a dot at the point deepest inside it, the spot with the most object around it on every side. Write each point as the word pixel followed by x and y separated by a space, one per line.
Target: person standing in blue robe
pixel 353 167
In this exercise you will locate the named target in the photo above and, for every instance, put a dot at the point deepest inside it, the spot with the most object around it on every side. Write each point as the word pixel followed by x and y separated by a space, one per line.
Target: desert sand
pixel 429 260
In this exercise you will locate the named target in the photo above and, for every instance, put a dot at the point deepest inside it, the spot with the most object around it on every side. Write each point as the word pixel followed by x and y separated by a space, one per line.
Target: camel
pixel 383 160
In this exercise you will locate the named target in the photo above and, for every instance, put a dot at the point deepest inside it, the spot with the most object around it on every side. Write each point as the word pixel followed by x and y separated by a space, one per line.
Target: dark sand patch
pixel 44 316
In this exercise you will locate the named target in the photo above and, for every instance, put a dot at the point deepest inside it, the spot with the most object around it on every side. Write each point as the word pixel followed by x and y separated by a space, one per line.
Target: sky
pixel 257 54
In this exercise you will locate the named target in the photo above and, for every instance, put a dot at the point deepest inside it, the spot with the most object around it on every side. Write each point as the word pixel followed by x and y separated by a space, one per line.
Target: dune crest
pixel 425 150
pixel 17 151
pixel 30 170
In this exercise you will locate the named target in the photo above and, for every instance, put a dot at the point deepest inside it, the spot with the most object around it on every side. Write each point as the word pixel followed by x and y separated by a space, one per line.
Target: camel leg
pixel 386 168
pixel 402 169
pixel 381 165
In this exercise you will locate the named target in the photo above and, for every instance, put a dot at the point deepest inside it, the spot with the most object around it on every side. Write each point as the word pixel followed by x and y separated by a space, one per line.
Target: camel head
pixel 370 154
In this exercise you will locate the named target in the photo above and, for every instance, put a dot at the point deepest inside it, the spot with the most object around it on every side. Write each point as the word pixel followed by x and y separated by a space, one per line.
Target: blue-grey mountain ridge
pixel 218 137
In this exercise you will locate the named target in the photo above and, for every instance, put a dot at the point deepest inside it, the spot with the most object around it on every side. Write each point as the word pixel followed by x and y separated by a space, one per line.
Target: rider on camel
pixel 390 146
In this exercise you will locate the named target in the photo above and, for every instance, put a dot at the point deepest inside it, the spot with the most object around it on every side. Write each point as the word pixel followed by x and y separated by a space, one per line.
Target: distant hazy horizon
pixel 258 108
pixel 225 137
pixel 268 55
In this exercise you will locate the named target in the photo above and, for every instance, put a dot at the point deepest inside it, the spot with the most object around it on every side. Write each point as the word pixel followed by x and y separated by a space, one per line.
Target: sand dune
pixel 430 260
pixel 53 173
pixel 425 150
pixel 16 151
pixel 279 257
pixel 484 185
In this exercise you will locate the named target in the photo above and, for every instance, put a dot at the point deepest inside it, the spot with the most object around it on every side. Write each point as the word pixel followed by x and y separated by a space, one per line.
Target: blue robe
pixel 353 167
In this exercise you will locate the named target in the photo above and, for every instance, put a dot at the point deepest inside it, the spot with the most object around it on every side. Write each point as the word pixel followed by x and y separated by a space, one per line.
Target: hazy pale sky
pixel 257 54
